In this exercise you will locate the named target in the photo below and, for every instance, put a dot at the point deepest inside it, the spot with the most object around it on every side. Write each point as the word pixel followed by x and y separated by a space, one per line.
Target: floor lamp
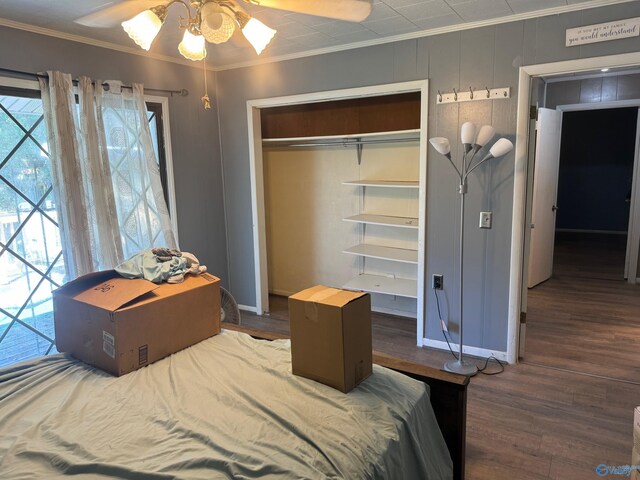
pixel 471 148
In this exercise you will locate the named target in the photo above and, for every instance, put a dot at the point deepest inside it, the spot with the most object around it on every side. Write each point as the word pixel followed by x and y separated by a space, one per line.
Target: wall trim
pixel 588 76
pixel 320 51
pixel 633 236
pixel 391 311
pixel 520 173
pixel 247 308
pixel 19 83
pixel 575 107
pixel 168 157
pixel 468 350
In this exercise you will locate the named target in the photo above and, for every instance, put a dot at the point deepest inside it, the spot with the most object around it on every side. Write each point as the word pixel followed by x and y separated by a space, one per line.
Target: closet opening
pixel 339 195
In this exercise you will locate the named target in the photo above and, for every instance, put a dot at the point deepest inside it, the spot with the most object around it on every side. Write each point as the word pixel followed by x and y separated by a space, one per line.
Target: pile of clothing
pixel 161 265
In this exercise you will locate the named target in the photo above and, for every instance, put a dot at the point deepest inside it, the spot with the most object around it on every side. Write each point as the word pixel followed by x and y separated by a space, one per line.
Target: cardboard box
pixel 331 336
pixel 120 325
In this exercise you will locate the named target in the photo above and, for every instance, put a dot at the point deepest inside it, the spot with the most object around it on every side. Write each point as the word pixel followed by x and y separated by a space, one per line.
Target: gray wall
pixel 593 90
pixel 487 56
pixel 194 132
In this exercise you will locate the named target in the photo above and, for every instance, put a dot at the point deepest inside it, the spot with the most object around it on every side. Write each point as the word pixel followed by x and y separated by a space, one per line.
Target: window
pixel 30 252
pixel 31 260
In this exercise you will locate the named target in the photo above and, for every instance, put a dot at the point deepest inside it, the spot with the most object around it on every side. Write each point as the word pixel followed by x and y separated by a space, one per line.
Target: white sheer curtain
pixel 106 179
pixel 143 216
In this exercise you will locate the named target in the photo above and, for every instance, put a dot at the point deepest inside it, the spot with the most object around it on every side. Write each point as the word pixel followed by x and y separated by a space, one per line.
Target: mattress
pixel 227 407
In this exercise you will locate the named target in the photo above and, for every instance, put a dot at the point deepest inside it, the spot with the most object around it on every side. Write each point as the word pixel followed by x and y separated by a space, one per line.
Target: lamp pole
pixel 459 365
pixel 471 147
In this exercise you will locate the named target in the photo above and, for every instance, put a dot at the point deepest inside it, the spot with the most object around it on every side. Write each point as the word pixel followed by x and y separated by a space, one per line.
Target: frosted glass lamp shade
pixel 217 26
pixel 501 147
pixel 467 133
pixel 441 144
pixel 143 28
pixel 220 34
pixel 192 46
pixel 485 134
pixel 258 34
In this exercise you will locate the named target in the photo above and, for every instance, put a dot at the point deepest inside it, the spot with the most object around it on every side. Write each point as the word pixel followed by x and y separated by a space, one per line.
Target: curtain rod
pixel 180 93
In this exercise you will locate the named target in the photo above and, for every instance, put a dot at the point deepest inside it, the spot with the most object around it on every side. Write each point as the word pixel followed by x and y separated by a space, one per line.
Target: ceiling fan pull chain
pixel 206 102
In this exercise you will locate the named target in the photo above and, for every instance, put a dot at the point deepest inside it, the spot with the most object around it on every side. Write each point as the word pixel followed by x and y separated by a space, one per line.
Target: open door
pixel 545 191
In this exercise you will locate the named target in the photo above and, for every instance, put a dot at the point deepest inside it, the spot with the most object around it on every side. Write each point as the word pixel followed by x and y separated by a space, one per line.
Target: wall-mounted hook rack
pixel 471 96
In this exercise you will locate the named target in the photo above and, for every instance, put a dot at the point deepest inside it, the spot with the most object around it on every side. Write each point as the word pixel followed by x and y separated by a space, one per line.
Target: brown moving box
pixel 331 336
pixel 120 325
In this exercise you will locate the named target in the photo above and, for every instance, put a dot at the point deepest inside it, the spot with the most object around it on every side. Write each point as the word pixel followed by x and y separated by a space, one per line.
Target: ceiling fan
pixel 214 20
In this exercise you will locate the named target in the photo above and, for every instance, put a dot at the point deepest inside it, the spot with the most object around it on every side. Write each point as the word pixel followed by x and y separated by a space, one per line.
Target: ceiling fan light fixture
pixel 144 27
pixel 258 34
pixel 192 45
pixel 220 33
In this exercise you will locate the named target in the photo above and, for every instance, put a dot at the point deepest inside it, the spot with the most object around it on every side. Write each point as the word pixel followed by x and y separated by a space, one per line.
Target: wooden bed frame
pixel 448 393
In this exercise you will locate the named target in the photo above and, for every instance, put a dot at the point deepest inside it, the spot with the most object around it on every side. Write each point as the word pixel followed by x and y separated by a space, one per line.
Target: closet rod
pixel 180 93
pixel 343 143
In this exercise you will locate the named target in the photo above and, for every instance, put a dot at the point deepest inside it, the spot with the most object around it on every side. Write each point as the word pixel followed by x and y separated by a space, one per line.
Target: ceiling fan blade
pixel 117 13
pixel 350 10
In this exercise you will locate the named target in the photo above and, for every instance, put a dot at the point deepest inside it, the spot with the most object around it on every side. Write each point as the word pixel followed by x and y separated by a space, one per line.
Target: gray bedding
pixel 227 407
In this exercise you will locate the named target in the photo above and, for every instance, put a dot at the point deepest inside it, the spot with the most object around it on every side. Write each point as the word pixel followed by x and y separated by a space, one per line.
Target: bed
pixel 227 407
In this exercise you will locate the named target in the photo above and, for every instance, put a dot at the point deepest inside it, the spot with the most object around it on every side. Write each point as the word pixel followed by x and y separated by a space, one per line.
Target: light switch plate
pixel 486 219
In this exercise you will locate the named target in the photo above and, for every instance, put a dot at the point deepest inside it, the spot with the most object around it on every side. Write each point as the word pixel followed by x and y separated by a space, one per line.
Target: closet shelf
pixel 386 220
pixel 325 140
pixel 401 287
pixel 402 255
pixel 383 183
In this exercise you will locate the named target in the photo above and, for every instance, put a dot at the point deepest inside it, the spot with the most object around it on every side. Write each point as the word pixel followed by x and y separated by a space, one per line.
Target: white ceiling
pixel 297 34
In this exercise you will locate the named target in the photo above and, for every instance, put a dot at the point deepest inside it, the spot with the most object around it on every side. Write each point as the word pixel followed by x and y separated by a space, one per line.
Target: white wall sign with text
pixel 603 32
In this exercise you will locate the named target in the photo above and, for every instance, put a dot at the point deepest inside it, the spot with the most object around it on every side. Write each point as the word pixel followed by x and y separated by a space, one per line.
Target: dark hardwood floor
pixel 586 317
pixel 528 422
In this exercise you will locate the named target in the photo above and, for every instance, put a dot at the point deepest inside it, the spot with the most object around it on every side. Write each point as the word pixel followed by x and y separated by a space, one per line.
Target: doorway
pixel 355 136
pixel 583 316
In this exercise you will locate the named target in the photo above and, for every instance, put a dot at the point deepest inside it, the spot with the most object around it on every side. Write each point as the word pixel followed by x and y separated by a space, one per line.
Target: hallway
pixel 586 318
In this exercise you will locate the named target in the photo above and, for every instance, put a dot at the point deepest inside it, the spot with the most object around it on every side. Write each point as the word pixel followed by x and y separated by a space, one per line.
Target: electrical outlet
pixel 437 281
pixel 485 219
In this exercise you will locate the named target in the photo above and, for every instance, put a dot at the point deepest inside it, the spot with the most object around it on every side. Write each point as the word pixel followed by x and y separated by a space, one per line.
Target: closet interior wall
pixel 310 190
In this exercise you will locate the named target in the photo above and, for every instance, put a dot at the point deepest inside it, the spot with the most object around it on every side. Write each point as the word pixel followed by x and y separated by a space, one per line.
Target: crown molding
pixel 5 22
pixel 427 33
pixel 309 53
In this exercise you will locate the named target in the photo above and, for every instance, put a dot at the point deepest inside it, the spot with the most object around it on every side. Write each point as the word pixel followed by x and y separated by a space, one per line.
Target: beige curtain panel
pixel 106 177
